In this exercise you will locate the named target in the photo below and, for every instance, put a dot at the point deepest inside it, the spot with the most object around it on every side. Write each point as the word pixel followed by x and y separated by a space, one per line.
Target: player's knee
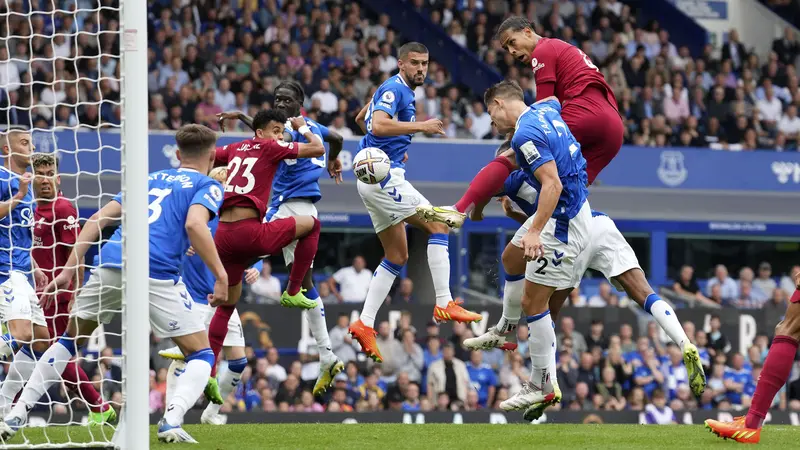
pixel 513 261
pixel 21 331
pixel 397 256
pixel 306 225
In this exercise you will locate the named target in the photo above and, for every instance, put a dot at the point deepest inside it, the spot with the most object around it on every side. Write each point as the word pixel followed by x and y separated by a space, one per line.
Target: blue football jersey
pixel 299 178
pixel 395 98
pixel 541 136
pixel 16 235
pixel 172 193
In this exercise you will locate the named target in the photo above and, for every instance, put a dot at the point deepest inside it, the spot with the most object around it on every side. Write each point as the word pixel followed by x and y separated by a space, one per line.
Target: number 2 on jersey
pixel 587 60
pixel 233 169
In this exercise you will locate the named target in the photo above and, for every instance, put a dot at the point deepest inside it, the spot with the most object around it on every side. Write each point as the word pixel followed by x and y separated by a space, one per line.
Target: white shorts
pixel 20 301
pixel 608 252
pixel 391 201
pixel 557 267
pixel 235 336
pixel 172 310
pixel 293 208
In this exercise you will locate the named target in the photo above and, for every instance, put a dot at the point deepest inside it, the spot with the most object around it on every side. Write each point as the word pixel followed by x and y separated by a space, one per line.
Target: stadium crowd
pixel 210 56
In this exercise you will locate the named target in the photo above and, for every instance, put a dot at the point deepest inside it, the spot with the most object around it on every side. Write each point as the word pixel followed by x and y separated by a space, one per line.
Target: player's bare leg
pixel 446 309
pixel 496 336
pixel 636 286
pixel 329 364
pixel 542 390
pixel 395 250
pixel 774 375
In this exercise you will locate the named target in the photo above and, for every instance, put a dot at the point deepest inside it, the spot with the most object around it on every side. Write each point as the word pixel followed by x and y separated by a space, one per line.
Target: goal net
pixel 73 75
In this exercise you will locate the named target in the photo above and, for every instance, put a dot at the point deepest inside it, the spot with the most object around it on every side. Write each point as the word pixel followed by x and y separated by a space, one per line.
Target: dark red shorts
pixel 597 126
pixel 240 243
pixel 795 297
pixel 57 318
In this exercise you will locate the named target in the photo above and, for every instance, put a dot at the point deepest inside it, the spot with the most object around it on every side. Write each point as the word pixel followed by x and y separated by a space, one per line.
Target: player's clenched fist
pixel 433 126
pixel 24 182
pixel 297 122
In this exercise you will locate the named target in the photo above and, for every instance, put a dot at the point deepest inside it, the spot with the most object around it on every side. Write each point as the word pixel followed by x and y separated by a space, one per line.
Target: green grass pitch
pixel 441 436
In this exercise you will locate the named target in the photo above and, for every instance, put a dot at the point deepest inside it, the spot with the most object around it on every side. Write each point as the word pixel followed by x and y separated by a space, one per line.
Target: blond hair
pixel 219 173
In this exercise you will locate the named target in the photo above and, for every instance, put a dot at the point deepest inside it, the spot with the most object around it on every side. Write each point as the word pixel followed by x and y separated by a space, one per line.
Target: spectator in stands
pixel 687 286
pixel 341 341
pixel 339 126
pixel 267 288
pixel 716 339
pixel 610 391
pixel 747 276
pixel 786 47
pixel 736 378
pixel 412 399
pixel 325 294
pixel 657 412
pixel 787 281
pixel 353 282
pixel 448 375
pixel 568 331
pixel 596 338
pixel 728 288
pixel 587 372
pixel 404 294
pixel 483 378
pixel 626 338
pixel 764 281
pixel 270 367
pixel 648 375
pixel 391 348
pixel 576 298
pixel 603 298
pixel 789 127
pixel 674 372
pixel 770 108
pixel 411 359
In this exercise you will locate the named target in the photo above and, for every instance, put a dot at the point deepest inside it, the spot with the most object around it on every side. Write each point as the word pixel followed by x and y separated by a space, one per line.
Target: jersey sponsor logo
pixel 530 152
pixel 384 104
pixel 672 171
pixel 388 97
pixel 536 65
pixel 72 223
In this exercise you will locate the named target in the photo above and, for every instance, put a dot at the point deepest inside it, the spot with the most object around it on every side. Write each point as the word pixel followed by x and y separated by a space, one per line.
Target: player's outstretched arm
pixel 335 143
pixel 230 115
pixel 314 147
pixel 384 125
pixel 203 243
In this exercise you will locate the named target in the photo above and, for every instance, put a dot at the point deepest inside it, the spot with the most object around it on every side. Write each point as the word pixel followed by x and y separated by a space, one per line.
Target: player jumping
pixel 295 190
pixel 589 109
pixel 27 334
pixel 252 164
pixel 389 123
pixel 774 375
pixel 556 235
pixel 182 201
pixel 608 252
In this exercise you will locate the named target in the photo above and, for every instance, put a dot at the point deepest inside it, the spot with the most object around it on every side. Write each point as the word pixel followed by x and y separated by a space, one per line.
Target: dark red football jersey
pixel 554 60
pixel 251 167
pixel 55 231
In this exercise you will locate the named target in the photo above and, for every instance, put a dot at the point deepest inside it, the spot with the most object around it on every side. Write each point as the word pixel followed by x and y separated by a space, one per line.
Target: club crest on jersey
pixel 530 152
pixel 672 171
pixel 535 65
pixel 388 97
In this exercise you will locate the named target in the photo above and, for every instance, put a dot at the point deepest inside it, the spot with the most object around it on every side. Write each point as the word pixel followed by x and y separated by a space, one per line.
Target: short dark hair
pixel 513 23
pixel 44 159
pixel 195 140
pixel 503 147
pixel 300 94
pixel 504 89
pixel 415 47
pixel 263 117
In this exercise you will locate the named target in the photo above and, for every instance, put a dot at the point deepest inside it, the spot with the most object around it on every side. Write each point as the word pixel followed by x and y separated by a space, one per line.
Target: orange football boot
pixel 735 430
pixel 455 313
pixel 366 338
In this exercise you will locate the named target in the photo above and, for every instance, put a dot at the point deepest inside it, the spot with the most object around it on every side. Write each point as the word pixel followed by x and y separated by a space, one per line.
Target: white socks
pixel 512 303
pixel 228 381
pixel 191 384
pixel 666 318
pixel 19 372
pixel 44 375
pixel 319 329
pixel 439 264
pixel 379 288
pixel 542 347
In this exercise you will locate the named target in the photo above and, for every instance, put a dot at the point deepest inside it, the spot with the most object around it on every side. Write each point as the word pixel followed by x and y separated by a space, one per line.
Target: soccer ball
pixel 371 165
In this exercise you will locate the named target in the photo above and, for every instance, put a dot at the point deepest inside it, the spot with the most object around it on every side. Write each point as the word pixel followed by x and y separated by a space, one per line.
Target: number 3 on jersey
pixel 155 205
pixel 233 170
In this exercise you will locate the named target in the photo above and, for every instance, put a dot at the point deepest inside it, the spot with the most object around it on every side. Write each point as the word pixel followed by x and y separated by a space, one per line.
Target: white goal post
pixel 43 87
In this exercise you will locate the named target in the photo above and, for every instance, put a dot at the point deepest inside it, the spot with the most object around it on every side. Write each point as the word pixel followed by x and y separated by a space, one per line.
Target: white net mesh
pixel 60 69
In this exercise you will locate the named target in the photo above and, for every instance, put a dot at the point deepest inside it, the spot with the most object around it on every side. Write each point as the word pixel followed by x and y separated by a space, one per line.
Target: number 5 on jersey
pixel 233 170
